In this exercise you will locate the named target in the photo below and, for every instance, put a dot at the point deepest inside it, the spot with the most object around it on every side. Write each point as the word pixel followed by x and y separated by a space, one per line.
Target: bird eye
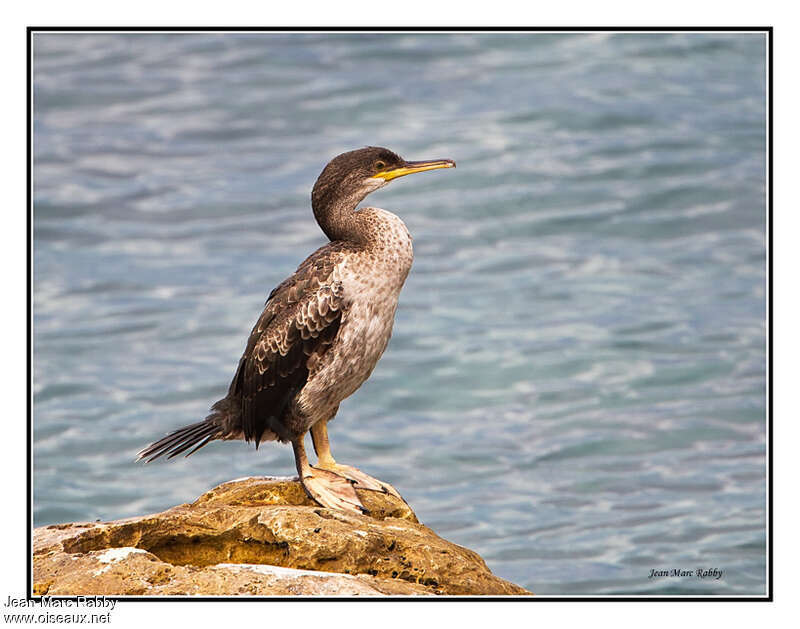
pixel 380 165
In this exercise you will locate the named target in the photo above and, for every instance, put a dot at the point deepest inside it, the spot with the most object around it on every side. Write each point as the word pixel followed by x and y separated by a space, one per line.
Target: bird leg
pixel 328 489
pixel 325 461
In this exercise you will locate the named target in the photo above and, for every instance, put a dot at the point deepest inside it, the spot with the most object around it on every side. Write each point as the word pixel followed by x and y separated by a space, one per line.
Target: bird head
pixel 353 175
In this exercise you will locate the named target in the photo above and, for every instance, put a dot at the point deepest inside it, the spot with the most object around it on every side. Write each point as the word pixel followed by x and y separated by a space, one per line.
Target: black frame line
pixel 767 30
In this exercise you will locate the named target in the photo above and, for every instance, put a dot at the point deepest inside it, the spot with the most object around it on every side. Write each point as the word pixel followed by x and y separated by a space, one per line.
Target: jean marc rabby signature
pixel 698 573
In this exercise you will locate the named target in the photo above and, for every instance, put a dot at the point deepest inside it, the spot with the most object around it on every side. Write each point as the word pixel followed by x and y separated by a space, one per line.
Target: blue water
pixel 575 387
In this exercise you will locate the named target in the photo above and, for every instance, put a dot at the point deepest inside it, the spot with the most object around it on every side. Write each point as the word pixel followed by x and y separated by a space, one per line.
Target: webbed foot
pixel 360 479
pixel 333 491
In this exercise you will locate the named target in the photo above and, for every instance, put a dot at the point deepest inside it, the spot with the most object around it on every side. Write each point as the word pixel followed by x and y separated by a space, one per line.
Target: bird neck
pixel 337 217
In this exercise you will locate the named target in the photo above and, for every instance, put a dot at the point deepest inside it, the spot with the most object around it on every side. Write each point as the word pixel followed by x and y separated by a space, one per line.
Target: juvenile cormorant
pixel 321 333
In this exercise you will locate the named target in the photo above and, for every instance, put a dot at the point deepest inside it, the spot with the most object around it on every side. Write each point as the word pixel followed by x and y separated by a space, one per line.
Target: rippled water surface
pixel 575 387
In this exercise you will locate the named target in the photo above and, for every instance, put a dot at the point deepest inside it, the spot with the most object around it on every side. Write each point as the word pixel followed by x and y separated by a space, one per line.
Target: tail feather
pixel 178 441
pixel 204 441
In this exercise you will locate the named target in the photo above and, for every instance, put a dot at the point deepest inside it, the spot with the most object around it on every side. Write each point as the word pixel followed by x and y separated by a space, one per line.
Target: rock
pixel 263 537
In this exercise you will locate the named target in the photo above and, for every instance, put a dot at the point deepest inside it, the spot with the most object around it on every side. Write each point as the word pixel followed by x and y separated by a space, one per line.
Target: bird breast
pixel 372 277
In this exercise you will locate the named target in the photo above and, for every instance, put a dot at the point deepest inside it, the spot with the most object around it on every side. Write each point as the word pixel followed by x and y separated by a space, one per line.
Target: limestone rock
pixel 260 537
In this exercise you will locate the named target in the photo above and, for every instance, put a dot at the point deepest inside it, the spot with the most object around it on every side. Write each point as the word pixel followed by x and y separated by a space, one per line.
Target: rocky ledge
pixel 260 537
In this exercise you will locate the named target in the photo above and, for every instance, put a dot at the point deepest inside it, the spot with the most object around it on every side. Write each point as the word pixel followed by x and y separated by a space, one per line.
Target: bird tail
pixel 197 435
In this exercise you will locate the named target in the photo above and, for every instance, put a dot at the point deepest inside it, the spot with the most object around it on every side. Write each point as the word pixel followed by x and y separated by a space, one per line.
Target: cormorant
pixel 321 333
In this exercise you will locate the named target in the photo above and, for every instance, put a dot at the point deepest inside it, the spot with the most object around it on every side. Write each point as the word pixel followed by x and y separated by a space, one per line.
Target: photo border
pixel 766 30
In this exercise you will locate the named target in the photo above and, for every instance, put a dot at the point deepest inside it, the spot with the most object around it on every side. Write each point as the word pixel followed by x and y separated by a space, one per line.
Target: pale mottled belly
pixel 367 330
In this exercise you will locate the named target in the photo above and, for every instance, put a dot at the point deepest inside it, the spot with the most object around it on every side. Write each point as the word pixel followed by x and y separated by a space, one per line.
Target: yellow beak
pixel 409 168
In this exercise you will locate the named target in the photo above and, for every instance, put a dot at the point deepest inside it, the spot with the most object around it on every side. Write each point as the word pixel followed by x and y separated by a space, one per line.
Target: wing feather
pixel 298 325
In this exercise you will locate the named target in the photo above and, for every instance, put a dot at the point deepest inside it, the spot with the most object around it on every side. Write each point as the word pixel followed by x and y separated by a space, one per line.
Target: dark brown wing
pixel 299 323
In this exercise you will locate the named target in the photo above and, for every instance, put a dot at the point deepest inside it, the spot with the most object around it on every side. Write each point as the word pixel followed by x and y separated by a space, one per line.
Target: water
pixel 576 383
